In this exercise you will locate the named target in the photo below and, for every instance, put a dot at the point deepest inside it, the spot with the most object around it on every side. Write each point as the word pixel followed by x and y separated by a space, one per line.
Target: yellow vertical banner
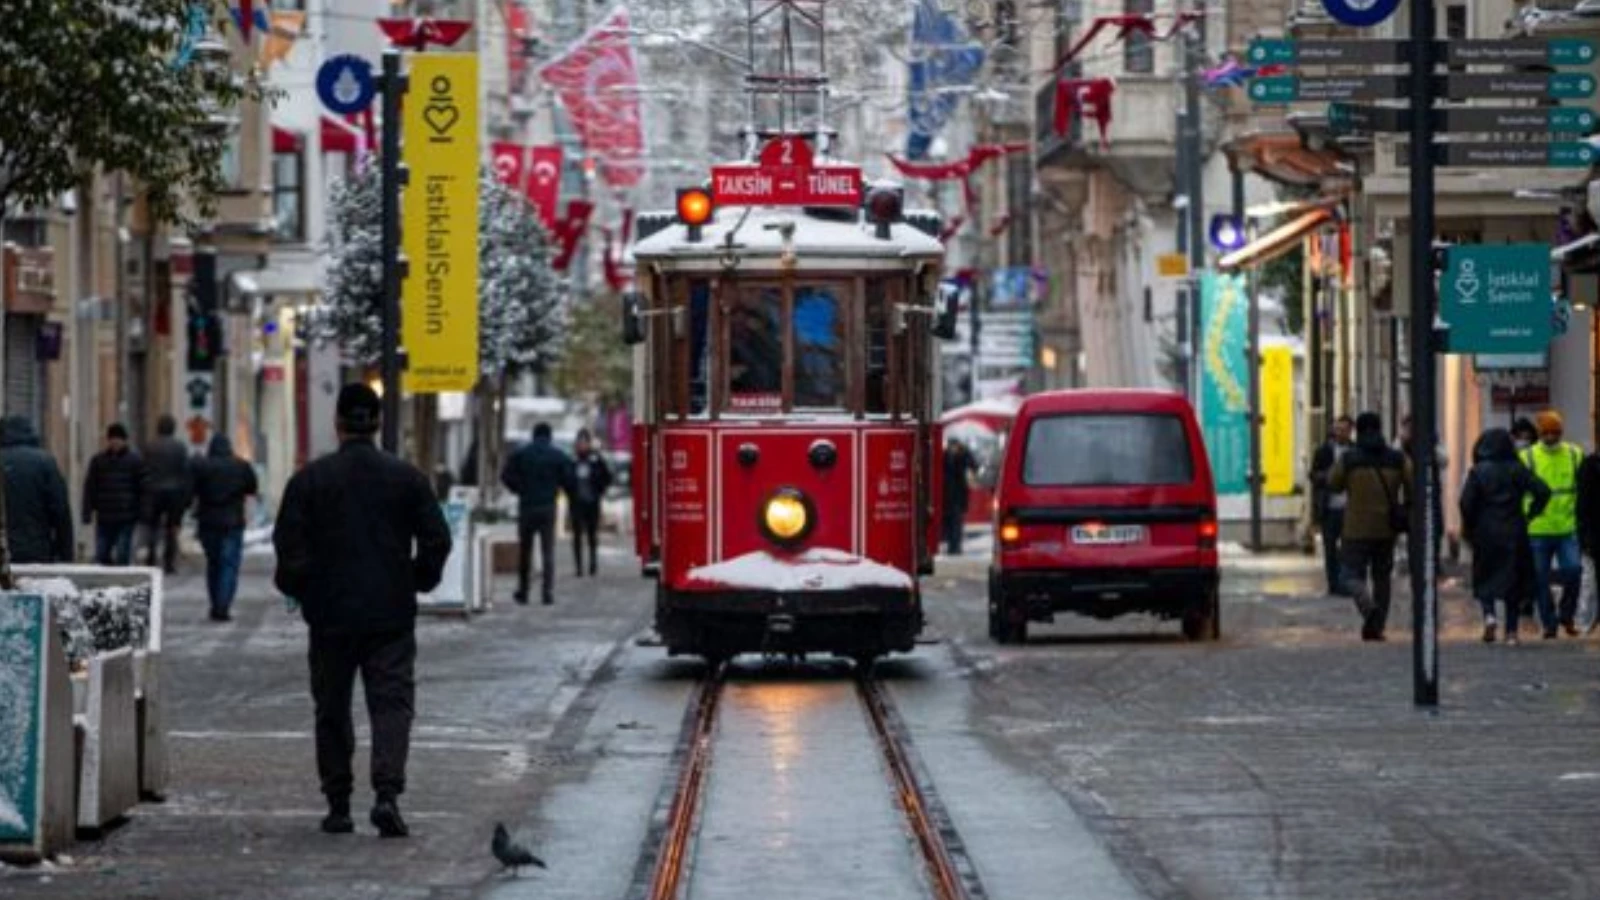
pixel 439 303
pixel 1277 425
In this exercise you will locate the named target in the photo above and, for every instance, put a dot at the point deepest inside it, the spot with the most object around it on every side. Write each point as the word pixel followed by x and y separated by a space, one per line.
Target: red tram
pixel 787 453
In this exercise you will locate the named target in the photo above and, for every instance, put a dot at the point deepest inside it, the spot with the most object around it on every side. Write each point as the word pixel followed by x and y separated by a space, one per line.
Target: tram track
pixel 668 858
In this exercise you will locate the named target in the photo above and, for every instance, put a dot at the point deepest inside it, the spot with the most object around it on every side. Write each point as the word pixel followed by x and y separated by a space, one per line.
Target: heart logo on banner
pixel 441 118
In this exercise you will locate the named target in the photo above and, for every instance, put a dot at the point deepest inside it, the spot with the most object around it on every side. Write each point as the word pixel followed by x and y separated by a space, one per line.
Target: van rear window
pixel 1095 449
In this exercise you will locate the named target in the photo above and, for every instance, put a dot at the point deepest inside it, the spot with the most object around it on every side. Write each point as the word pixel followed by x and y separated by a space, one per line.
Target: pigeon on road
pixel 512 856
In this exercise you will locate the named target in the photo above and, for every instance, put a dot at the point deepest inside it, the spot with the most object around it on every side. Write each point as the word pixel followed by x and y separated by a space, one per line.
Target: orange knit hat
pixel 1549 422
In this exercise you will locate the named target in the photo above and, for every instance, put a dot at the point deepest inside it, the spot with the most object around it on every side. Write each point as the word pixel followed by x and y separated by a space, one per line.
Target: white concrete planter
pixel 37 765
pixel 132 740
pixel 108 777
pixel 484 539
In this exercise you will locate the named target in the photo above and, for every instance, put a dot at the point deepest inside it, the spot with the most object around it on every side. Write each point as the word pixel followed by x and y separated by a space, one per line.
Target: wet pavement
pixel 1101 760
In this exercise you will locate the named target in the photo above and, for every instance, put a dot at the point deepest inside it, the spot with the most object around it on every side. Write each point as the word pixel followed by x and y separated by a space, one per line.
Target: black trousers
pixel 586 528
pixel 541 522
pixel 1364 559
pixel 166 517
pixel 386 662
pixel 953 526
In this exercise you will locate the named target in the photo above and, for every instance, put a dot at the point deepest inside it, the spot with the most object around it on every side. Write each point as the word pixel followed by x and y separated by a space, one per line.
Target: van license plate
pixel 1108 534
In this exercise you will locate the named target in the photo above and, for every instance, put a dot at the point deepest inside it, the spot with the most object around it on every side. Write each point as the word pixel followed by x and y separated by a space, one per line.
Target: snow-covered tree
pixel 520 297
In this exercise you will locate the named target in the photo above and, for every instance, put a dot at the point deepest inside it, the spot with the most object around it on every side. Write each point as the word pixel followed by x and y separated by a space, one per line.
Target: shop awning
pixel 339 136
pixel 1276 242
pixel 1559 254
pixel 286 141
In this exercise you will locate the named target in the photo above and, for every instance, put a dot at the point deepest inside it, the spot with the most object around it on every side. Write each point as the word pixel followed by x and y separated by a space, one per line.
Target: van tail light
pixel 1207 532
pixel 1010 532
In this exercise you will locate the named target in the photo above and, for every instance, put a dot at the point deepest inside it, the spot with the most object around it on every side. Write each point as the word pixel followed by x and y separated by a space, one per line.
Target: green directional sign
pixel 1517 52
pixel 1364 118
pixel 1469 86
pixel 1361 118
pixel 1496 298
pixel 1290 89
pixel 1505 52
pixel 1277 51
pixel 1557 86
pixel 1564 155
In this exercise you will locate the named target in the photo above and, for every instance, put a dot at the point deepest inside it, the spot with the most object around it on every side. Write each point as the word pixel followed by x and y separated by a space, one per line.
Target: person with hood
pixel 222 481
pixel 1377 480
pixel 1523 434
pixel 170 486
pixel 958 463
pixel 113 497
pixel 359 535
pixel 591 478
pixel 537 473
pixel 1553 534
pixel 1496 525
pixel 38 512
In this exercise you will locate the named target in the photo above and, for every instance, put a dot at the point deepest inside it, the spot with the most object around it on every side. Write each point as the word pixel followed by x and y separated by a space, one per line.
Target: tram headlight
pixel 787 516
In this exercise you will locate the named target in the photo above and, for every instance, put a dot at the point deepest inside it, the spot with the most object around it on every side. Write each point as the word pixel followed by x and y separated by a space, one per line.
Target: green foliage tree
pixel 594 363
pixel 88 84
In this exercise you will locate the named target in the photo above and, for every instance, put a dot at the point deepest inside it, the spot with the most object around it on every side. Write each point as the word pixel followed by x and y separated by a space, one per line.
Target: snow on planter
pixel 817 569
pixel 95 619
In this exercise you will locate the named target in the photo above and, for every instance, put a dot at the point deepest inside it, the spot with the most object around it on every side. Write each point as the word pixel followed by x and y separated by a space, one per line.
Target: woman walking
pixel 1496 522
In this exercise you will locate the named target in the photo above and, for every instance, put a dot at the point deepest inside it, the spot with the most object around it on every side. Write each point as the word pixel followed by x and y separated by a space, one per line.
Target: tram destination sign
pixel 1508 52
pixel 785 174
pixel 1355 118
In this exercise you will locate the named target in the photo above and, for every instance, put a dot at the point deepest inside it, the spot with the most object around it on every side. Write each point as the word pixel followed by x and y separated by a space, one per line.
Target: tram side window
pixel 877 348
pixel 755 351
pixel 819 378
pixel 699 347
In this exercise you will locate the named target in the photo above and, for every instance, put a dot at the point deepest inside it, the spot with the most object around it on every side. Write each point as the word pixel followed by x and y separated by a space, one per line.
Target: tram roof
pixel 760 236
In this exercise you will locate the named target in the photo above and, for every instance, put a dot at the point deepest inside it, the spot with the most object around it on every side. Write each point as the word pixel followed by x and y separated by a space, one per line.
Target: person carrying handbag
pixel 1377 481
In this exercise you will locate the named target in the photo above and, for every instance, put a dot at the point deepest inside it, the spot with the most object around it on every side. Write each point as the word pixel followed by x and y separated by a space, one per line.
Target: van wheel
pixel 995 601
pixel 1203 621
pixel 1014 632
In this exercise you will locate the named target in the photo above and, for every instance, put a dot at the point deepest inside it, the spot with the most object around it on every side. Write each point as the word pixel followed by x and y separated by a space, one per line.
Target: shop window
pixel 288 196
pixel 1138 50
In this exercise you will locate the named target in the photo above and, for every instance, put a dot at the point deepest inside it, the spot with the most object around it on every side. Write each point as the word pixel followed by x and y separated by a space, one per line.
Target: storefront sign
pixel 1277 420
pixel 1496 298
pixel 439 308
pixel 786 175
pixel 1224 379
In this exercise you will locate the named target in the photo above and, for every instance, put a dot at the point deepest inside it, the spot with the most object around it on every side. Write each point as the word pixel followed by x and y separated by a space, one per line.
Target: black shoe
pixel 1570 627
pixel 386 817
pixel 220 616
pixel 337 821
pixel 521 598
pixel 1550 634
pixel 548 601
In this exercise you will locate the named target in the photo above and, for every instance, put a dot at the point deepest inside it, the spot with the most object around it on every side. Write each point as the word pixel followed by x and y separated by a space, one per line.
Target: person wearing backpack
pixel 1376 479
pixel 1553 534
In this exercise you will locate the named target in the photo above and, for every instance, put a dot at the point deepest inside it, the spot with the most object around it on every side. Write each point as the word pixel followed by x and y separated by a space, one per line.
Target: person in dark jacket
pixel 167 459
pixel 38 512
pixel 1525 435
pixel 222 481
pixel 591 478
pixel 359 535
pixel 1589 516
pixel 958 463
pixel 537 473
pixel 1327 505
pixel 1496 524
pixel 113 497
pixel 1377 479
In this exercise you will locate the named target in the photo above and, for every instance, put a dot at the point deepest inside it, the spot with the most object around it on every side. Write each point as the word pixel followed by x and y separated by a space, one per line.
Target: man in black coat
pixel 167 458
pixel 345 535
pixel 958 462
pixel 536 473
pixel 222 482
pixel 113 497
pixel 38 513
pixel 1327 505
pixel 591 478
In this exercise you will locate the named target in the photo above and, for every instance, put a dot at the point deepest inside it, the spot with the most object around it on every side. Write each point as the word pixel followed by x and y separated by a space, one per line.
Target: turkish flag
pixel 597 81
pixel 535 171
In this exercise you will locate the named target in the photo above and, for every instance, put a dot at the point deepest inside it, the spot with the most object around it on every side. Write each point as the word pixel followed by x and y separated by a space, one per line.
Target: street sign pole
pixel 1424 574
pixel 392 177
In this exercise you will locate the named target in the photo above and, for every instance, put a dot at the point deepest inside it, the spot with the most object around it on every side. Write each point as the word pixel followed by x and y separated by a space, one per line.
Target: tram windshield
pixel 762 347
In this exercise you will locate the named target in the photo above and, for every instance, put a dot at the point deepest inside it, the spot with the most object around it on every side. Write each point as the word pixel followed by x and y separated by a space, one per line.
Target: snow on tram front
pixel 787 450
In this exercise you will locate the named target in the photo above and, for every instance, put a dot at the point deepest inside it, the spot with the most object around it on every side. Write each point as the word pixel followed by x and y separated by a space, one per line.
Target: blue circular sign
pixel 345 84
pixel 1360 13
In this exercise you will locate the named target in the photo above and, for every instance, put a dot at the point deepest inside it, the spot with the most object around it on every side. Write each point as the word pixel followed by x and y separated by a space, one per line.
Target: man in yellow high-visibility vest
pixel 1554 534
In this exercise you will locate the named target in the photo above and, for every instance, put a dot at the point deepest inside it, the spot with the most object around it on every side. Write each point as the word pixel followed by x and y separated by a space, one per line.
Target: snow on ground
pixel 817 569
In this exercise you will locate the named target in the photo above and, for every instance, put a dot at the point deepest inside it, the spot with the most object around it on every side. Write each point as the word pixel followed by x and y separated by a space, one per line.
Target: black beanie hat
pixel 117 432
pixel 359 408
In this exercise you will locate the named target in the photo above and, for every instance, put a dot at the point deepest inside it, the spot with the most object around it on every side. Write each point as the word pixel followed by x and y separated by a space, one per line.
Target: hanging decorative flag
pixel 418 34
pixel 245 14
pixel 518 28
pixel 943 61
pixel 1133 23
pixel 1088 97
pixel 533 171
pixel 597 81
pixel 569 230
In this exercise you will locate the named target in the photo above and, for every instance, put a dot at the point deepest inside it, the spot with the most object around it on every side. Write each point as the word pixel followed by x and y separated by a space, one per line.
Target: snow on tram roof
pixel 813 236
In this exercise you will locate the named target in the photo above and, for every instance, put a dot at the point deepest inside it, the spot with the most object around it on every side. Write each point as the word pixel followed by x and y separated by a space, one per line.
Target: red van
pixel 1105 507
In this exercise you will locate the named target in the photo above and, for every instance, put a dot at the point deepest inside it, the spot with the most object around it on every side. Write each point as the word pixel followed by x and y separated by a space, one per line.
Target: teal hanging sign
pixel 1225 379
pixel 1496 298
